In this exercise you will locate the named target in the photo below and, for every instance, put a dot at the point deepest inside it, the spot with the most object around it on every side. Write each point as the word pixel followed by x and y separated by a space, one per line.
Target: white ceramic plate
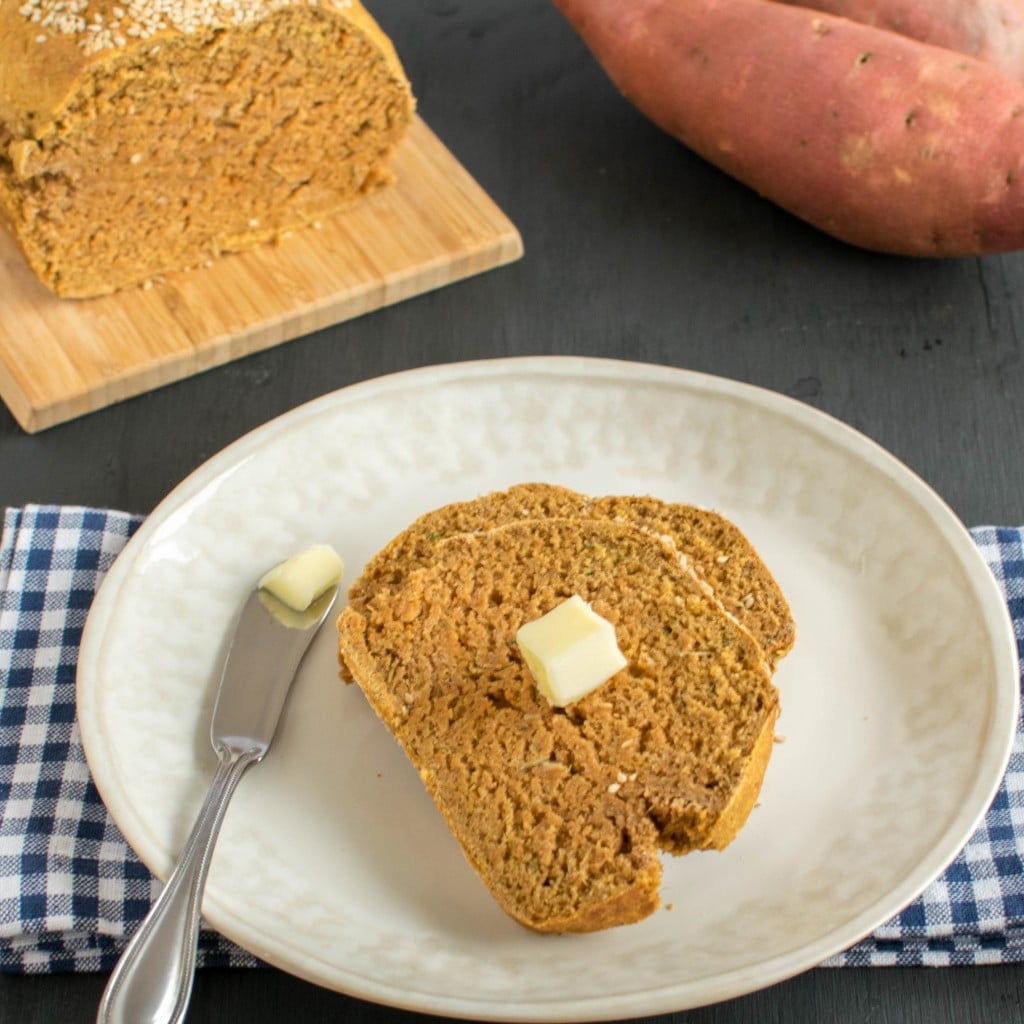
pixel 899 699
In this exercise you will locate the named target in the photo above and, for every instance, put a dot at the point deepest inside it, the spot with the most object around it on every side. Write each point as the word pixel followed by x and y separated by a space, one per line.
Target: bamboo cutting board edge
pixel 61 358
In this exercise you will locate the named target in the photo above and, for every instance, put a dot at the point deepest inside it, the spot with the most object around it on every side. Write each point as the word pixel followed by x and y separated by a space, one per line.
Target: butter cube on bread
pixel 569 651
pixel 563 812
pixel 139 137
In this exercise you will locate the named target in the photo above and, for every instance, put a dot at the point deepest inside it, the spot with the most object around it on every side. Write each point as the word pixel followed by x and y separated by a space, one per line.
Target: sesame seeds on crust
pixel 139 20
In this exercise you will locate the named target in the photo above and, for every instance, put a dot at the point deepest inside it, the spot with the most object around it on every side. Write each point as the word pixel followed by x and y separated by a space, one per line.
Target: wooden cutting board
pixel 61 358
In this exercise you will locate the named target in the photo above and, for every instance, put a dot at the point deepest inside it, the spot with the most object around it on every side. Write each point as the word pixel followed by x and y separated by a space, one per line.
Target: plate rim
pixel 684 995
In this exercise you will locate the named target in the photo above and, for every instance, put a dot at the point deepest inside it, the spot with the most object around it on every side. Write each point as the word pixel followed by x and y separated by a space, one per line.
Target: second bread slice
pixel 712 547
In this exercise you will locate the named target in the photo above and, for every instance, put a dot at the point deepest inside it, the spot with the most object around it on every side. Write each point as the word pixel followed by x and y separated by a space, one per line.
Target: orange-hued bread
pixel 144 136
pixel 563 812
pixel 714 548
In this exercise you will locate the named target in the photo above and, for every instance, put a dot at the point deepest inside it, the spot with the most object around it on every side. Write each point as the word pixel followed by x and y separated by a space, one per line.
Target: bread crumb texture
pixel 709 544
pixel 562 812
pixel 142 137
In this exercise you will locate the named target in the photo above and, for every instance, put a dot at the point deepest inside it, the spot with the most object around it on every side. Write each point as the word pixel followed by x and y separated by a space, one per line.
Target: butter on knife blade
pixel 301 579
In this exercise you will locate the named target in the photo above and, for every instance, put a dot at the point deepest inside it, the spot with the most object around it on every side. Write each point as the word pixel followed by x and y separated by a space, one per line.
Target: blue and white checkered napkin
pixel 71 890
pixel 974 912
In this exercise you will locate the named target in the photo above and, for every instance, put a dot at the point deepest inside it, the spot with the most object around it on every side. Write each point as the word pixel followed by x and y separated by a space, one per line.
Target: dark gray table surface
pixel 635 249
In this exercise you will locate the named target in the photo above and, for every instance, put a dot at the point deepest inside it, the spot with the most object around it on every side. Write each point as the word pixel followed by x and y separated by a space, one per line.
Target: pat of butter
pixel 300 580
pixel 570 651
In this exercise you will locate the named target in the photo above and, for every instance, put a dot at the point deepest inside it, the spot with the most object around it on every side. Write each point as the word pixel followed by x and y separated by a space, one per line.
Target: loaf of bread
pixel 563 812
pixel 712 546
pixel 139 137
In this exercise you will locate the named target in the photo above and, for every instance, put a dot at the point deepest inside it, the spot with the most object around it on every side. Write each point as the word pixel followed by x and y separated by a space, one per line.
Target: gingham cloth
pixel 71 890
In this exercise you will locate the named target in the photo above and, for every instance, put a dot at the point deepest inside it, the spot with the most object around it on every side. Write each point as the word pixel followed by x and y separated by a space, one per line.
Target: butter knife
pixel 152 982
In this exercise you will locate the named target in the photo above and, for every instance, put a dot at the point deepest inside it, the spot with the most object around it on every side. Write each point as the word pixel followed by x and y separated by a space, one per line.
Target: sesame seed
pixel 143 19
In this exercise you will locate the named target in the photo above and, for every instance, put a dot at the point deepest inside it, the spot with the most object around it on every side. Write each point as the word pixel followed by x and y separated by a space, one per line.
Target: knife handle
pixel 152 981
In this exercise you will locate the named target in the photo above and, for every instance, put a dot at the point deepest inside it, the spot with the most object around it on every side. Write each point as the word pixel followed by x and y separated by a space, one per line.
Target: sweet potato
pixel 882 141
pixel 991 30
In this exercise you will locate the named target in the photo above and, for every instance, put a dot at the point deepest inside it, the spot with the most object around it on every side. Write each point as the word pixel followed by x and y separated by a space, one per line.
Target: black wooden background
pixel 635 249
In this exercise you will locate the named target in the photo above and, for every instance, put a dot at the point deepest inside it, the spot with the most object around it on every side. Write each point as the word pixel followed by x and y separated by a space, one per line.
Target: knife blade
pixel 152 982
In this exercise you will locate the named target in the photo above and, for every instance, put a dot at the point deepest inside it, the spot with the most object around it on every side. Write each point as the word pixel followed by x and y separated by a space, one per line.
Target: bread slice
pixel 562 812
pixel 714 548
pixel 143 136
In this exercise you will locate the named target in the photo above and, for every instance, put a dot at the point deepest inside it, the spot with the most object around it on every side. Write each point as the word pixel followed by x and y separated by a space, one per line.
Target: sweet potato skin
pixel 877 139
pixel 991 30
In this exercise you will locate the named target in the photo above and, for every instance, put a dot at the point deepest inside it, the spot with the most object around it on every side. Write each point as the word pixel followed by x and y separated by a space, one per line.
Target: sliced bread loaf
pixel 562 812
pixel 146 136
